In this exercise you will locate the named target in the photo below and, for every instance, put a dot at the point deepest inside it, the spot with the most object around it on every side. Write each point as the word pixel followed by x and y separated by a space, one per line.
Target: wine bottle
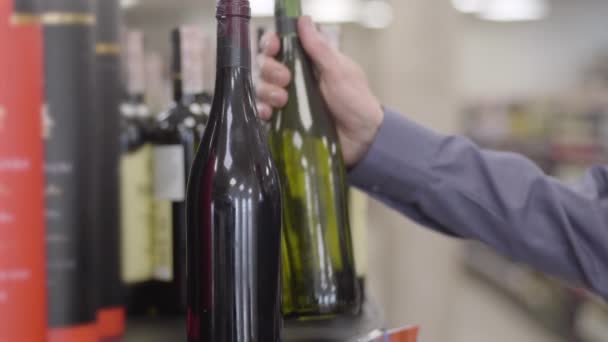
pixel 111 311
pixel 178 134
pixel 22 252
pixel 136 181
pixel 69 37
pixel 234 205
pixel 358 201
pixel 319 278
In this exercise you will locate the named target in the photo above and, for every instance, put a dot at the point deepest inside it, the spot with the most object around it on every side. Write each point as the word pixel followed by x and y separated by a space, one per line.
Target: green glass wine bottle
pixel 319 278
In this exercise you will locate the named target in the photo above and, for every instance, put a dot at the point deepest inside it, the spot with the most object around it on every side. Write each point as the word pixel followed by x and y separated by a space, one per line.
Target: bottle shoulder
pixel 232 160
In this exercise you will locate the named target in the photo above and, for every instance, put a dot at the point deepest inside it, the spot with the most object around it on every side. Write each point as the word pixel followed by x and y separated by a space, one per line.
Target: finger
pixel 271 44
pixel 315 44
pixel 271 94
pixel 264 111
pixel 274 72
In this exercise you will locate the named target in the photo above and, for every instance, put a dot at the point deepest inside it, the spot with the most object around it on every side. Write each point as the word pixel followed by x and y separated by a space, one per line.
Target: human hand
pixel 357 112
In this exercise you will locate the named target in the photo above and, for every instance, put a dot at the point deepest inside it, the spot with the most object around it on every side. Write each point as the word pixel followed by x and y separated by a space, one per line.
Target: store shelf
pixel 367 327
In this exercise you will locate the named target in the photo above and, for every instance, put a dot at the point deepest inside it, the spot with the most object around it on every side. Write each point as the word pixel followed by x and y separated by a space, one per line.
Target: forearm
pixel 504 200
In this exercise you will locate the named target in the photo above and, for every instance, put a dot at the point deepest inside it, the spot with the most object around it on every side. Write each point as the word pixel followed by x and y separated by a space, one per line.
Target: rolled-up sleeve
pixel 502 199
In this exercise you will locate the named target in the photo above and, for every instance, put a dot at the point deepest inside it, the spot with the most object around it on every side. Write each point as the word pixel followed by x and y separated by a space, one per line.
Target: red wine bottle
pixel 69 37
pixel 22 252
pixel 176 137
pixel 111 312
pixel 234 205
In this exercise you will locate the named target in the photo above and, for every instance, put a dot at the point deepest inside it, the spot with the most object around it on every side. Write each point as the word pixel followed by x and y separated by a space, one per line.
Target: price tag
pixel 409 334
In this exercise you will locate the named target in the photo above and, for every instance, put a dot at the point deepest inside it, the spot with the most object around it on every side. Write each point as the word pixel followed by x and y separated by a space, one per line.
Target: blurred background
pixel 523 75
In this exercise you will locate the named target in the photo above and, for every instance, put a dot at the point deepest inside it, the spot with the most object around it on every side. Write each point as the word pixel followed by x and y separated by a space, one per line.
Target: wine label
pixel 169 173
pixel 163 240
pixel 137 204
pixel 22 252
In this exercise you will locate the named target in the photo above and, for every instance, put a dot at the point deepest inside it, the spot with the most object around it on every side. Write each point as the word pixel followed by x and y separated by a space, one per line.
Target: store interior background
pixel 428 63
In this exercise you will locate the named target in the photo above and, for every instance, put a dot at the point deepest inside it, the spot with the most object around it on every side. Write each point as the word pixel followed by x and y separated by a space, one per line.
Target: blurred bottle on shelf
pixel 176 137
pixel 106 140
pixel 319 274
pixel 136 180
pixel 23 297
pixel 158 85
pixel 69 39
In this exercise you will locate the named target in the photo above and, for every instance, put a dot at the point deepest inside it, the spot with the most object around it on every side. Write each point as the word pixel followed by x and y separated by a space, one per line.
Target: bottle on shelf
pixel 136 181
pixel 69 39
pixel 176 137
pixel 234 205
pixel 111 311
pixel 158 86
pixel 319 274
pixel 23 300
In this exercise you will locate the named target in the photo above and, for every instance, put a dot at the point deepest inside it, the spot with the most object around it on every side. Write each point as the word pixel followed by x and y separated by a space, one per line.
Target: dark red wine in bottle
pixel 234 206
pixel 176 137
pixel 23 309
pixel 111 312
pixel 69 37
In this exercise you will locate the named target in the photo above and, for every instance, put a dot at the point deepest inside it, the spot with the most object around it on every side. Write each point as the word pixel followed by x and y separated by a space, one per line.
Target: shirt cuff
pixel 398 162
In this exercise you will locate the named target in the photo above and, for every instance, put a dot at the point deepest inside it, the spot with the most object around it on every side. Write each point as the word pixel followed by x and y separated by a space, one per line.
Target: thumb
pixel 315 44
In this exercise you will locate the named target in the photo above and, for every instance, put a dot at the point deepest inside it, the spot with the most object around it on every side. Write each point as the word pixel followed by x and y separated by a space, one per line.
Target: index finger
pixel 271 44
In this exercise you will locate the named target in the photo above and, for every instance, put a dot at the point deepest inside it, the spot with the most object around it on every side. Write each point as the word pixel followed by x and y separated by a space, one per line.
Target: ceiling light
pixel 334 11
pixel 376 14
pixel 514 10
pixel 128 3
pixel 467 6
pixel 262 8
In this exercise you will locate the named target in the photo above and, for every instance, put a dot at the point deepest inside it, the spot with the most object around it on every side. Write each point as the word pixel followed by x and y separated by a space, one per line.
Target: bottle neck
pixel 288 8
pixel 233 86
pixel 233 42
pixel 287 13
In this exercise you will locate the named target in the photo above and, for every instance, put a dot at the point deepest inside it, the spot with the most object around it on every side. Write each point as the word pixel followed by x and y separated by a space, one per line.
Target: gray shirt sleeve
pixel 502 199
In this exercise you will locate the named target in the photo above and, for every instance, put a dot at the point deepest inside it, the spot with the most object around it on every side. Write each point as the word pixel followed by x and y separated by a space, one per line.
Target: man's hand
pixel 357 112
